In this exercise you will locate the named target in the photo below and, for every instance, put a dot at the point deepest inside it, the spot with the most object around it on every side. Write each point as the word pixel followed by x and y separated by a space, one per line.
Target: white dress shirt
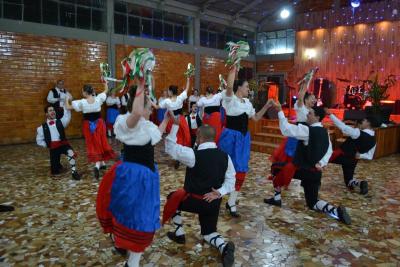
pixel 173 105
pixel 144 132
pixel 186 156
pixel 110 101
pixel 234 106
pixel 354 133
pixel 302 133
pixel 124 101
pixel 84 106
pixel 213 101
pixel 301 112
pixel 51 99
pixel 193 121
pixel 54 134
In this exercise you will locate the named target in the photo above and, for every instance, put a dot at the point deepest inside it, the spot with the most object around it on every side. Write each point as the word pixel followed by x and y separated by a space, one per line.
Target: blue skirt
pixel 112 114
pixel 291 145
pixel 135 197
pixel 237 146
pixel 161 114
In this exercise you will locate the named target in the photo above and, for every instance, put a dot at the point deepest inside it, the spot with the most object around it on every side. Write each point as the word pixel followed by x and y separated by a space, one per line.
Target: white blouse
pixel 145 131
pixel 301 113
pixel 110 101
pixel 235 106
pixel 215 100
pixel 193 98
pixel 124 100
pixel 82 105
pixel 173 105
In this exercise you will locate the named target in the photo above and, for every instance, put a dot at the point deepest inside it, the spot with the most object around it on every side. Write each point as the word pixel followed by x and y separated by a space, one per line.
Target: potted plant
pixel 378 92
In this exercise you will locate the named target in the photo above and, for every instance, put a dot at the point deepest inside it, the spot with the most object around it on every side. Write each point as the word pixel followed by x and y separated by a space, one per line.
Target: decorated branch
pixel 222 82
pixel 308 77
pixel 190 70
pixel 140 64
pixel 106 73
pixel 237 51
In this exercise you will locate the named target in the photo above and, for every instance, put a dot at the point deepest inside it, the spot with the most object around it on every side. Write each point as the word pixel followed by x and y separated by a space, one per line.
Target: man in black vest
pixel 194 122
pixel 312 148
pixel 57 97
pixel 51 134
pixel 210 174
pixel 360 144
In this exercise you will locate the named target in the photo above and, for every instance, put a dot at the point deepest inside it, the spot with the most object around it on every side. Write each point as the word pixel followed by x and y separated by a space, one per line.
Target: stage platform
pixel 266 135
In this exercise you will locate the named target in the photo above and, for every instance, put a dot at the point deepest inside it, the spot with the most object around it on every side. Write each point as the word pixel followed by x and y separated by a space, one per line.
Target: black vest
pixel 208 172
pixel 56 95
pixel 238 123
pixel 143 155
pixel 307 156
pixel 211 109
pixel 198 121
pixel 362 144
pixel 47 135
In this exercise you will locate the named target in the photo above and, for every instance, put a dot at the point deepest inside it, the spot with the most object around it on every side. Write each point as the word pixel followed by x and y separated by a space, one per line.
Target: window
pixel 99 19
pixel 13 9
pixel 151 23
pixel 32 11
pixel 50 12
pixel 67 15
pixel 83 17
pixel 278 42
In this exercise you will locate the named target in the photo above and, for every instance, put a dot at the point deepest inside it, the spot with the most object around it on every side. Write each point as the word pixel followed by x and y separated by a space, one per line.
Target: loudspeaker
pixel 353 115
pixel 326 91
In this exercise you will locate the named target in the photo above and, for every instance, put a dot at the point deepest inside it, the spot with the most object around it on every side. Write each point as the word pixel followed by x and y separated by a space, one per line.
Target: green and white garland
pixel 237 51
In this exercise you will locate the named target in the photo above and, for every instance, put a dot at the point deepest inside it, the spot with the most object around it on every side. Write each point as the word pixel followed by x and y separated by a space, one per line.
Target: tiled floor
pixel 55 222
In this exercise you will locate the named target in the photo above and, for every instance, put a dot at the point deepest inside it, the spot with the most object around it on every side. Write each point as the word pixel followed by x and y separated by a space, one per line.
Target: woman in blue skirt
pixel 128 200
pixel 235 138
pixel 113 105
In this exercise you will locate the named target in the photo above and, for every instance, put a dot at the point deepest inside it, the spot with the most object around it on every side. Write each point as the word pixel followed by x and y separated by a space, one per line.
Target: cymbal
pixel 343 80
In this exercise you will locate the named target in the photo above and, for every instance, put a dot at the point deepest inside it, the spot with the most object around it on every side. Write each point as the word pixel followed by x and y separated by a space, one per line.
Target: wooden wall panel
pixel 29 67
pixel 169 69
pixel 352 53
pixel 211 67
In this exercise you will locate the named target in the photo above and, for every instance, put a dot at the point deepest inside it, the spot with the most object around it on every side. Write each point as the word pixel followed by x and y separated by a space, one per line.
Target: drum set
pixel 357 93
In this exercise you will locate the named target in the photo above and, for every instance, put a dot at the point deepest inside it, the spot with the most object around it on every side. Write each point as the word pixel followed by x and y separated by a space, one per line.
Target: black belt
pixel 177 112
pixel 211 109
pixel 91 116
pixel 238 123
pixel 113 106
pixel 143 155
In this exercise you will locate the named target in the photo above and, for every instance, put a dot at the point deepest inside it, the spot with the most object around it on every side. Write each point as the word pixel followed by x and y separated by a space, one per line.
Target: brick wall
pixel 169 68
pixel 211 67
pixel 29 67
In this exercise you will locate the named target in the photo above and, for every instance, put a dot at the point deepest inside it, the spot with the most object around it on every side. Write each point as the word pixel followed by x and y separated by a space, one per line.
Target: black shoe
pixel 363 187
pixel 76 176
pixel 121 251
pixel 103 167
pixel 180 239
pixel 343 215
pixel 96 173
pixel 126 264
pixel 5 208
pixel 228 254
pixel 176 166
pixel 234 214
pixel 272 201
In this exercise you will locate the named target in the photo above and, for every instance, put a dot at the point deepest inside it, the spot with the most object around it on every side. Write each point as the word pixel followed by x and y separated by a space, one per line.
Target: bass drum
pixel 353 102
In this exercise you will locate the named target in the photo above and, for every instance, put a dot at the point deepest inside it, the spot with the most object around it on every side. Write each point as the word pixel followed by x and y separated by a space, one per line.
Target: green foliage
pixel 378 91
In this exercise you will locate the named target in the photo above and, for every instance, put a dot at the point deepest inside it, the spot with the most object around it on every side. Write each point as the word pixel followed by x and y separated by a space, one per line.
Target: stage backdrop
pixel 29 67
pixel 350 52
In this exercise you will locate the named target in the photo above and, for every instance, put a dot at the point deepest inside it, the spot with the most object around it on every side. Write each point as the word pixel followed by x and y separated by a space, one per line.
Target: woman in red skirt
pixel 211 104
pixel 94 128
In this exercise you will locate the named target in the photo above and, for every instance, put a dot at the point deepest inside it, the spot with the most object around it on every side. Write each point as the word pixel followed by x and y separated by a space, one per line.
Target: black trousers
pixel 193 138
pixel 311 183
pixel 55 155
pixel 208 212
pixel 349 165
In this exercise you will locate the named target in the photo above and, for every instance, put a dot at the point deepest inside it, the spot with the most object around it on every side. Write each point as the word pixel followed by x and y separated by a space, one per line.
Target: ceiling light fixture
pixel 355 3
pixel 285 13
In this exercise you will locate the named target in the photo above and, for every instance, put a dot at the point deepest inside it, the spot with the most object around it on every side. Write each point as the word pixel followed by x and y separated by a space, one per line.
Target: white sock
pixel 134 259
pixel 354 182
pixel 98 164
pixel 109 132
pixel 177 220
pixel 327 208
pixel 277 195
pixel 215 240
pixel 71 160
pixel 232 200
pixel 102 163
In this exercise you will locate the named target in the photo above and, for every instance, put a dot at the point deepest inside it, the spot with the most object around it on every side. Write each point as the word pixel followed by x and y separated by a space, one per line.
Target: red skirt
pixel 279 154
pixel 125 238
pixel 214 120
pixel 183 136
pixel 97 146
